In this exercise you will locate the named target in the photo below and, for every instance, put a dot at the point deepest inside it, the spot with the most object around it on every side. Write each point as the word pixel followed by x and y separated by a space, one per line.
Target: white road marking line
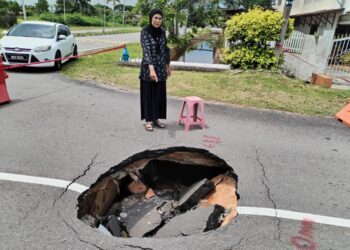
pixel 42 181
pixel 285 214
pixel 259 211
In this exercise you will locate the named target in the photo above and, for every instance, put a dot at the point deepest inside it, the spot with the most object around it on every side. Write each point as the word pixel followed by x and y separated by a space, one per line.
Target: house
pixel 315 16
pixel 315 44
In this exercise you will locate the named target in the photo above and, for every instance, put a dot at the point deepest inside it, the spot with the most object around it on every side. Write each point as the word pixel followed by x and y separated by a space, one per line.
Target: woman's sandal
pixel 159 124
pixel 149 127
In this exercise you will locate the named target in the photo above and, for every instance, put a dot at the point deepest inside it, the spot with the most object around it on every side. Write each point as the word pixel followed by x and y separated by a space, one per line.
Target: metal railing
pixel 337 64
pixel 295 43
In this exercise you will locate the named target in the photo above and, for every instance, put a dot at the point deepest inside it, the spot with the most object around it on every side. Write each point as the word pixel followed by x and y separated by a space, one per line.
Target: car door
pixel 70 41
pixel 63 45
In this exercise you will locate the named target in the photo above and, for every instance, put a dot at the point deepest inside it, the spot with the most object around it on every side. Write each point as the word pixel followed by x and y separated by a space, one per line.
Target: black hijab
pixel 155 32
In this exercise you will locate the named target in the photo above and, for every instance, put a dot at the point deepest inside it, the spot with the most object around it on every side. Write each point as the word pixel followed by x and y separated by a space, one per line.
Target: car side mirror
pixel 4 33
pixel 61 37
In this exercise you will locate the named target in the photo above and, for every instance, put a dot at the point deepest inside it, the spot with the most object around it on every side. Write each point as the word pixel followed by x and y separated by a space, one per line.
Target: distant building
pixel 315 16
pixel 321 37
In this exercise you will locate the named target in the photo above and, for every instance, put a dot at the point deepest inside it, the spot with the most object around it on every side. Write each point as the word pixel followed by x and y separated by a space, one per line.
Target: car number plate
pixel 17 57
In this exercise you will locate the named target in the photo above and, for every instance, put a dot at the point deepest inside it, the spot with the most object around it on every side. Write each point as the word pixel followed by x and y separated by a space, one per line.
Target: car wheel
pixel 58 64
pixel 75 52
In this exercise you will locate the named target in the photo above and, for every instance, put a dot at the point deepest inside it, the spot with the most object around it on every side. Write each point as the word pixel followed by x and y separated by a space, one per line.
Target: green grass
pixel 258 89
pixel 1 30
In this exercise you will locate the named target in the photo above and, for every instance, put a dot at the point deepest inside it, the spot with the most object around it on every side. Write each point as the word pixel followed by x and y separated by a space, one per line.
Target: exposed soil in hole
pixel 171 192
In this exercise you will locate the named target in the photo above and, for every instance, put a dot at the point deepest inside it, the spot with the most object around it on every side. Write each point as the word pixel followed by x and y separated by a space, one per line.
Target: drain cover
pixel 171 192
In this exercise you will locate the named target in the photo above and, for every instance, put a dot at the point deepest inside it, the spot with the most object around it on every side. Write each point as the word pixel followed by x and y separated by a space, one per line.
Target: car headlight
pixel 42 49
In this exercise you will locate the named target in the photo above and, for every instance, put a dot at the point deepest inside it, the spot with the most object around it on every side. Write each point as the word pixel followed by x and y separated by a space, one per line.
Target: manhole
pixel 171 192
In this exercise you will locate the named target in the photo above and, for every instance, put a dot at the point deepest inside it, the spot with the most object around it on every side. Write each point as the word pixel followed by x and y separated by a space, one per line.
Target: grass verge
pixel 258 89
pixel 108 31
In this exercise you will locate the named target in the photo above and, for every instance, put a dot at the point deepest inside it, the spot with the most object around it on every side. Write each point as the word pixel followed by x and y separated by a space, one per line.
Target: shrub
pixel 51 17
pixel 345 58
pixel 7 14
pixel 194 29
pixel 249 35
pixel 71 19
pixel 7 19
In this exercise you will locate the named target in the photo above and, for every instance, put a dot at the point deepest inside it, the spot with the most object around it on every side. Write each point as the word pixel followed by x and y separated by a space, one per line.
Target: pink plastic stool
pixel 191 118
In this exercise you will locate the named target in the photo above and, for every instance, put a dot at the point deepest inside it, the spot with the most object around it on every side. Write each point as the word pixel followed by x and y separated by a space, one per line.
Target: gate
pixel 339 58
pixel 295 42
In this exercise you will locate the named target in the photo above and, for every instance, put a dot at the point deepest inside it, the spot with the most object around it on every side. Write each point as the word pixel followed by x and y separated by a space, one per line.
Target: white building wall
pixel 313 58
pixel 309 6
pixel 306 6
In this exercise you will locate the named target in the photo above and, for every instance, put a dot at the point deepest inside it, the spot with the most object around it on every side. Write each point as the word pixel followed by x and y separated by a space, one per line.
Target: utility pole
pixel 113 16
pixel 123 13
pixel 286 13
pixel 64 11
pixel 104 16
pixel 24 10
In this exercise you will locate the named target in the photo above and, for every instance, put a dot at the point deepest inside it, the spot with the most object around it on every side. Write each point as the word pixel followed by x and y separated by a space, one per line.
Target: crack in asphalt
pixel 76 233
pixel 56 242
pixel 76 178
pixel 268 192
pixel 133 246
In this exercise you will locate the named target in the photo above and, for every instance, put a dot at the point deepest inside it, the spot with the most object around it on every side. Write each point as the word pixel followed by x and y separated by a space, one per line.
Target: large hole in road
pixel 171 192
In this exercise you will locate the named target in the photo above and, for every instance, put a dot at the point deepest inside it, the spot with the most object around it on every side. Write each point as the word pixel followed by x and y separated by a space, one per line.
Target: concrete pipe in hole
pixel 171 192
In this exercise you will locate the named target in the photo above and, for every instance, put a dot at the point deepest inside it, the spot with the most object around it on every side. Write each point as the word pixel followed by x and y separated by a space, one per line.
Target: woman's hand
pixel 168 70
pixel 152 73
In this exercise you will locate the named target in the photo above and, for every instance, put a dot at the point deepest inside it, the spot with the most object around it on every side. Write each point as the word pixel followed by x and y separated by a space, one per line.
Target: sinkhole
pixel 170 192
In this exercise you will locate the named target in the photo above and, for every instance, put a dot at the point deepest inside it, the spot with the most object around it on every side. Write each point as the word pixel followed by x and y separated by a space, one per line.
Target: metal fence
pixel 339 58
pixel 295 43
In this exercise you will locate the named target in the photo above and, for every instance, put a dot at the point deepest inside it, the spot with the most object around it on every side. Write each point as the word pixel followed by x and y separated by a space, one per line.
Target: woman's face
pixel 157 20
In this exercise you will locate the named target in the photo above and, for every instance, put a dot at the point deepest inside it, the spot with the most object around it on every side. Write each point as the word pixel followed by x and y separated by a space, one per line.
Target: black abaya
pixel 153 100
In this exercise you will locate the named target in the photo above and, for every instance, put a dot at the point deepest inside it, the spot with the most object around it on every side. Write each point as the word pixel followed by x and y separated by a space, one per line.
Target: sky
pixel 32 2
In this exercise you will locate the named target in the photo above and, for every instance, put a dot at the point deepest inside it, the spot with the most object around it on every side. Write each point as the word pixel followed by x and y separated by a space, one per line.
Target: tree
pixel 203 13
pixel 119 7
pixel 250 34
pixel 14 7
pixel 41 6
pixel 84 6
pixel 7 16
pixel 248 4
pixel 181 12
pixel 70 6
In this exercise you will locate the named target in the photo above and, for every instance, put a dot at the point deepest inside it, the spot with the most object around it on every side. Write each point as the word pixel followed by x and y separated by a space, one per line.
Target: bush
pixel 71 19
pixel 7 14
pixel 345 58
pixel 7 19
pixel 249 35
pixel 51 17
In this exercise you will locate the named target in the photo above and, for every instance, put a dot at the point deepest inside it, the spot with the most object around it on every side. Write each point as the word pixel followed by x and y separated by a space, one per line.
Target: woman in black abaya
pixel 154 71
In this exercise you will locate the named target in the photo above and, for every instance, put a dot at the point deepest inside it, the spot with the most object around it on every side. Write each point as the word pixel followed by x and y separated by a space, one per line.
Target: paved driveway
pixel 55 128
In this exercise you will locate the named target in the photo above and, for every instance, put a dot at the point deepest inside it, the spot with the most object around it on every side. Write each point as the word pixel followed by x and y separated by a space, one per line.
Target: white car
pixel 34 41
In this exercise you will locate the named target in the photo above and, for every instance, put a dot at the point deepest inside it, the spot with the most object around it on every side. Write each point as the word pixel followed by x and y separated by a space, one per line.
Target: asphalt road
pixel 94 42
pixel 54 127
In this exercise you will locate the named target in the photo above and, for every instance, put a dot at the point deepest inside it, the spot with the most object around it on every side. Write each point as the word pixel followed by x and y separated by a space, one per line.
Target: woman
pixel 154 71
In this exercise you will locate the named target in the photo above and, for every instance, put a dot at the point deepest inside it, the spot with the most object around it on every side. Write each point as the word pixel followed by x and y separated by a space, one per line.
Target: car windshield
pixel 33 30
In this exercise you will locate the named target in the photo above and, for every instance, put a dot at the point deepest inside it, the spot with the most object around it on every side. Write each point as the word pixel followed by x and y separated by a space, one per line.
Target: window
pixel 33 30
pixel 313 29
pixel 62 31
pixel 66 29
